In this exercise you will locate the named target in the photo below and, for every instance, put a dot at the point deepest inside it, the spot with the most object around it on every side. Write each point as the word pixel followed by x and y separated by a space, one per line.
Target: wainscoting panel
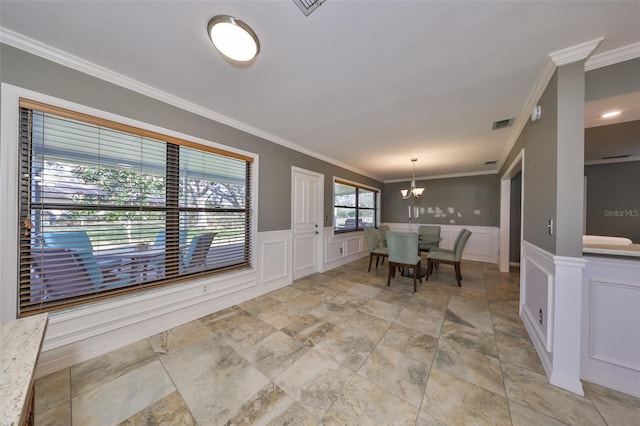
pixel 340 249
pixel 536 295
pixel 483 245
pixel 80 333
pixel 611 323
pixel 274 255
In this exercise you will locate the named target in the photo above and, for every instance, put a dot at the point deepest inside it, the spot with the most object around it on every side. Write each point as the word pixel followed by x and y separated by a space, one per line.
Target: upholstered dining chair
pixel 383 229
pixel 451 257
pixel 375 246
pixel 403 253
pixel 103 274
pixel 429 237
pixel 195 257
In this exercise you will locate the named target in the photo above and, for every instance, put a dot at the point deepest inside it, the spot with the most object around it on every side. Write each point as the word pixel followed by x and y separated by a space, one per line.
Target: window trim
pixel 9 178
pixel 356 185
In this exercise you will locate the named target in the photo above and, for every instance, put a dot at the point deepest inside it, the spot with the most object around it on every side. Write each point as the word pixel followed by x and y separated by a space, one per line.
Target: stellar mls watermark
pixel 622 213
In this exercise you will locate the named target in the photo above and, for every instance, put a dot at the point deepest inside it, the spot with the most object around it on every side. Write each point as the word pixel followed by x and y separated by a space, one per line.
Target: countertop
pixel 631 250
pixel 20 342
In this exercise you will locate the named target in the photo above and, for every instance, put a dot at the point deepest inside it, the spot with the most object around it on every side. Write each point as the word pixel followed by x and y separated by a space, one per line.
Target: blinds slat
pixel 112 210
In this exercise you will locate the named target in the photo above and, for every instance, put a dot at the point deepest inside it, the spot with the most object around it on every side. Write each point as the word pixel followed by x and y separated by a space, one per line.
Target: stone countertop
pixel 20 343
pixel 631 250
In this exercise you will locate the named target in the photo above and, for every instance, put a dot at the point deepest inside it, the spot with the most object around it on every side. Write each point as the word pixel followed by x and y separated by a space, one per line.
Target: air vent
pixel 490 163
pixel 501 124
pixel 308 6
pixel 612 157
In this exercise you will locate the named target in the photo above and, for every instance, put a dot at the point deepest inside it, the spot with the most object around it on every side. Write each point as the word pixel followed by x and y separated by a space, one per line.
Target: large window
pixel 107 208
pixel 354 206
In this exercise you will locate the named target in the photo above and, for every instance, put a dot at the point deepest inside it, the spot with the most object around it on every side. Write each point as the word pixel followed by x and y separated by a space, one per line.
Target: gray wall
pixel 32 72
pixel 613 80
pixel 474 199
pixel 613 199
pixel 570 167
pixel 539 139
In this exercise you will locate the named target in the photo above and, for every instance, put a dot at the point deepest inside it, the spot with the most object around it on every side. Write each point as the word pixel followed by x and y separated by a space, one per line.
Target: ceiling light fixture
pixel 416 192
pixel 233 38
pixel 611 114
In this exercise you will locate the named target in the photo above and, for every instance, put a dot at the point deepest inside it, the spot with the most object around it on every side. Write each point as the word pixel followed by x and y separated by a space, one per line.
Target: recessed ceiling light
pixel 611 114
pixel 233 38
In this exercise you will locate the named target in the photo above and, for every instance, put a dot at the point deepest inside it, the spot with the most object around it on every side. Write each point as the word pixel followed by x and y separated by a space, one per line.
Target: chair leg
pixel 415 272
pixel 370 260
pixel 428 271
pixel 382 260
pixel 419 269
pixel 392 270
pixel 458 275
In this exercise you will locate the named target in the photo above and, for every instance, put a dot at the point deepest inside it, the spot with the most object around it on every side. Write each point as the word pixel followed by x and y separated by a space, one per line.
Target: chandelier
pixel 416 192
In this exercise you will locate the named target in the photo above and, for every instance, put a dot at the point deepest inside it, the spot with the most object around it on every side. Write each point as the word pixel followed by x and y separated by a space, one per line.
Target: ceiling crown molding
pixel 58 56
pixel 574 53
pixel 614 56
pixel 554 60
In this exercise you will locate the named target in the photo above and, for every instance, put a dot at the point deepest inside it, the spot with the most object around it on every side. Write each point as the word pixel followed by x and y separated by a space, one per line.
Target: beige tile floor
pixel 339 348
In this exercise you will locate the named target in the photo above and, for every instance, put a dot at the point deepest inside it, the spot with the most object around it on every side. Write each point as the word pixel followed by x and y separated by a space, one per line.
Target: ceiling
pixel 368 85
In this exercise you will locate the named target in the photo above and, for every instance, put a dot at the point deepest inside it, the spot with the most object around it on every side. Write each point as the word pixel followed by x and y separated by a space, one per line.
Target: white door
pixel 306 215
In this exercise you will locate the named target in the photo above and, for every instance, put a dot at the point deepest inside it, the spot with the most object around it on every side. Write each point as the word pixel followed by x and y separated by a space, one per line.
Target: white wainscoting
pixel 483 245
pixel 340 249
pixel 537 272
pixel 611 323
pixel 80 333
pixel 550 307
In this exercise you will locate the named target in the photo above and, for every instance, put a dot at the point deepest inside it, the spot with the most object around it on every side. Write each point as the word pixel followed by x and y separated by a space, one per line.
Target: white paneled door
pixel 306 217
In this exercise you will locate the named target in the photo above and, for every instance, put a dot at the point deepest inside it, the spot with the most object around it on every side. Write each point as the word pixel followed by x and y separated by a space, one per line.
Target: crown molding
pixel 575 53
pixel 521 120
pixel 61 57
pixel 554 60
pixel 445 176
pixel 614 56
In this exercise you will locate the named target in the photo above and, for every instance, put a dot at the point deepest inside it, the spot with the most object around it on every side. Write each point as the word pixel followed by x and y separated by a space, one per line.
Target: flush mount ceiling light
pixel 416 192
pixel 233 38
pixel 611 114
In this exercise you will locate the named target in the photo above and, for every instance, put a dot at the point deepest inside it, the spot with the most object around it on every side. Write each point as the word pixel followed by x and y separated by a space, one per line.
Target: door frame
pixel 516 166
pixel 319 213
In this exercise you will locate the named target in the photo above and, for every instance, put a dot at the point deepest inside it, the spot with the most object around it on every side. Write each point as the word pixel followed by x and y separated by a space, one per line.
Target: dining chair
pixel 161 239
pixel 403 253
pixel 375 246
pixel 195 257
pixel 103 274
pixel 58 274
pixel 383 229
pixel 429 237
pixel 451 257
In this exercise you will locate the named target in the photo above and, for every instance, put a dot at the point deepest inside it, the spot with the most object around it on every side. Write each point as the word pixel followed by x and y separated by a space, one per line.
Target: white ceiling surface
pixel 367 84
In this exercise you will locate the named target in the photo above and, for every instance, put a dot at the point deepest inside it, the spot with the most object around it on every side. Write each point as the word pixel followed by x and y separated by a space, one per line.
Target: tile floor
pixel 339 348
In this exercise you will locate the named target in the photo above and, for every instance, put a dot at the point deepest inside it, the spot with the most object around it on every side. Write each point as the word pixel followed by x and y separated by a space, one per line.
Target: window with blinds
pixel 354 207
pixel 107 208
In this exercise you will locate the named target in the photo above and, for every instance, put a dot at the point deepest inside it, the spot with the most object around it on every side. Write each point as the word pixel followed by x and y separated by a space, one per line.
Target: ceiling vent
pixel 308 6
pixel 490 163
pixel 501 124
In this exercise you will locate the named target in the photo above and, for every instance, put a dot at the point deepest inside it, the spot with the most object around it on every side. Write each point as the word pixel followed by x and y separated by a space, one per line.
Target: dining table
pixel 423 271
pixel 138 258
